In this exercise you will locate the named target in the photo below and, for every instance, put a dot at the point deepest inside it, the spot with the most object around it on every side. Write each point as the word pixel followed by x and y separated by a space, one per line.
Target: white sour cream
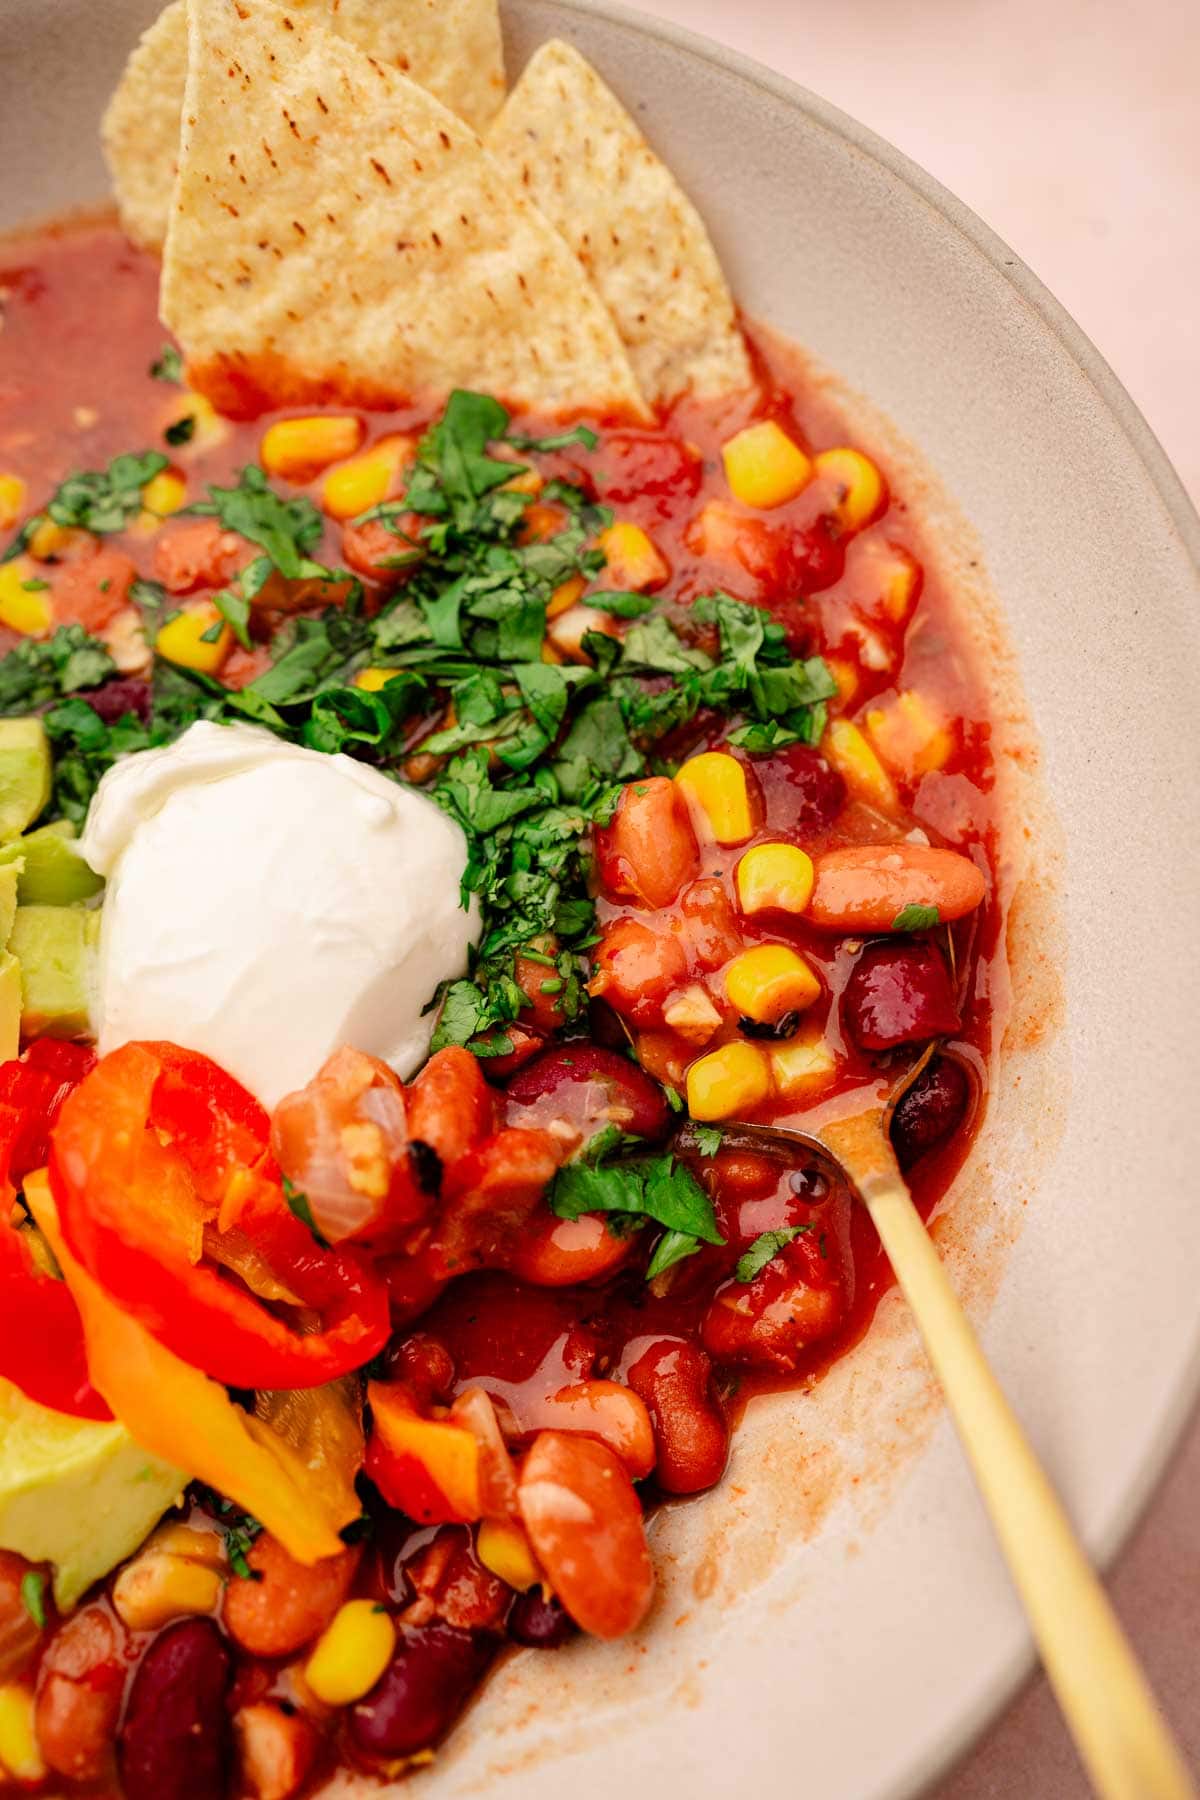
pixel 267 903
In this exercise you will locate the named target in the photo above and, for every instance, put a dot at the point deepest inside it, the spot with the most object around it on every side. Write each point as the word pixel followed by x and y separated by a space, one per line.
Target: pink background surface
pixel 1072 127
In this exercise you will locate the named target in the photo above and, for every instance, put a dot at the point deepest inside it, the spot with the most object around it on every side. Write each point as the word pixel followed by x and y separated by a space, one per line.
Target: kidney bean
pixel 80 1685
pixel 450 1105
pixel 540 1621
pixel 116 698
pixel 802 792
pixel 19 1634
pixel 674 1378
pixel 637 969
pixel 565 1252
pixel 899 994
pixel 591 1087
pixel 175 1738
pixel 932 1108
pixel 712 929
pixel 649 849
pixel 603 1409
pixel 867 886
pixel 286 1603
pixel 585 1522
pixel 796 1301
pixel 435 1669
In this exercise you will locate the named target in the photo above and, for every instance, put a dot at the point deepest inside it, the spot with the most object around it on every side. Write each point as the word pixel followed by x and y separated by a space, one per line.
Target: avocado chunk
pixel 75 1493
pixel 10 881
pixel 24 774
pixel 56 948
pixel 54 873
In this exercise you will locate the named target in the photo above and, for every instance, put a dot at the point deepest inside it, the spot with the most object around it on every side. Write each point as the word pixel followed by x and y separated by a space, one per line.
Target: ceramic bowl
pixel 836 1614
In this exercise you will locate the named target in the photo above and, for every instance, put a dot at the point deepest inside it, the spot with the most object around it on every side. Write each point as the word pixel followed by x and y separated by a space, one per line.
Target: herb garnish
pixel 168 365
pixel 637 1189
pixel 765 1249
pixel 33 1596
pixel 916 918
pixel 300 1208
pixel 238 1540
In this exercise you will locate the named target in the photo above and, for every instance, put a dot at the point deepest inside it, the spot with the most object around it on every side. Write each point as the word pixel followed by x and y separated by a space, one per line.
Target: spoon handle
pixel 1121 1736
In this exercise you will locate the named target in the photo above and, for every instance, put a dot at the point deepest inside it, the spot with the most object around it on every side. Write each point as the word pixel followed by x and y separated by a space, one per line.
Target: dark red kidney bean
pixel 116 698
pixel 932 1108
pixel 691 1436
pixel 175 1742
pixel 802 792
pixel 562 1074
pixel 814 559
pixel 540 1621
pixel 899 994
pixel 435 1669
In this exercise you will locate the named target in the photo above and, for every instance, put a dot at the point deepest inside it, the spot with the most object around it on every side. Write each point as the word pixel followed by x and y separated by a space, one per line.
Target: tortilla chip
pixel 452 47
pixel 567 141
pixel 336 232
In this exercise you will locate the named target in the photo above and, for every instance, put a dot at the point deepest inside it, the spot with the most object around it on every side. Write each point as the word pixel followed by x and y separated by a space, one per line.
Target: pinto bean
pixel 585 1522
pixel 565 1252
pixel 674 1378
pixel 768 1323
pixel 867 886
pixel 435 1670
pixel 175 1738
pixel 286 1603
pixel 605 1410
pixel 637 969
pixel 649 849
pixel 79 1693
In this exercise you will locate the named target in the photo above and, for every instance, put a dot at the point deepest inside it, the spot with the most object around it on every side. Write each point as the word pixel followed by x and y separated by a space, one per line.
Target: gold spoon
pixel 1125 1744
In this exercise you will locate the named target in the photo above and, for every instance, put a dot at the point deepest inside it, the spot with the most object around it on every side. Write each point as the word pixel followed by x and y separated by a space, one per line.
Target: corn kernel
pixel 714 783
pixel 298 449
pixel 371 680
pixel 48 539
pixel 909 735
pixel 530 482
pixel 502 1546
pixel 764 467
pixel 568 631
pixel 182 639
pixel 858 765
pixel 155 1588
pixel 164 493
pixel 351 1653
pixel 632 563
pixel 846 675
pixel 365 480
pixel 21 609
pixel 565 595
pixel 803 1065
pixel 899 583
pixel 728 1081
pixel 20 1755
pixel 769 982
pixel 12 500
pixel 208 427
pixel 774 878
pixel 860 493
pixel 692 1015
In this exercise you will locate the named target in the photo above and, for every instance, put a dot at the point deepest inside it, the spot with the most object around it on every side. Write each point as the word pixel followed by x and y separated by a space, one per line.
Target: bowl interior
pixel 838 1607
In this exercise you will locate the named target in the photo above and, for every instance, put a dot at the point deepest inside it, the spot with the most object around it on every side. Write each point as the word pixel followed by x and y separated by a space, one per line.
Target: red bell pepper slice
pixel 41 1336
pixel 160 1168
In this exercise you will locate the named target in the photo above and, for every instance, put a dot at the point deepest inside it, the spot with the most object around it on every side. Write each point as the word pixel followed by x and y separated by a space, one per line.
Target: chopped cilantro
pixel 286 529
pixel 35 672
pixel 298 1206
pixel 916 918
pixel 238 1540
pixel 562 440
pixel 167 365
pixel 181 430
pixel 105 500
pixel 235 610
pixel 33 1596
pixel 708 1139
pixel 672 1247
pixel 765 1249
pixel 655 1187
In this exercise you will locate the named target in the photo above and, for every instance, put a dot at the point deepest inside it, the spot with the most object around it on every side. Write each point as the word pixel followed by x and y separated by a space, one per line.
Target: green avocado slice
pixel 56 948
pixel 24 774
pixel 54 873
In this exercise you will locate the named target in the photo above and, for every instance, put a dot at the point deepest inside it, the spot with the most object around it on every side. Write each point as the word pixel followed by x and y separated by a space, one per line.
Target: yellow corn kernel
pixel 568 631
pixel 769 982
pixel 164 493
pixel 728 1081
pixel 764 467
pixel 803 1065
pixel 371 680
pixel 858 765
pixel 909 735
pixel 714 784
pixel 157 1587
pixel 858 483
pixel 899 582
pixel 12 500
pixel 182 639
pixel 208 427
pixel 198 1543
pixel 847 677
pixel 565 595
pixel 502 1546
pixel 20 1755
pixel 351 1653
pixel 365 480
pixel 632 563
pixel 298 449
pixel 692 1015
pixel 774 878
pixel 23 609
pixel 531 482
pixel 48 539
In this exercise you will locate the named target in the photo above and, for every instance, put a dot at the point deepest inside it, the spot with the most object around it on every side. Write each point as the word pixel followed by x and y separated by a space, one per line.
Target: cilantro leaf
pixel 167 365
pixel 33 1596
pixel 105 500
pixel 235 610
pixel 672 1247
pixel 562 440
pixel 655 1188
pixel 286 529
pixel 35 672
pixel 707 1139
pixel 765 1249
pixel 299 1207
pixel 916 918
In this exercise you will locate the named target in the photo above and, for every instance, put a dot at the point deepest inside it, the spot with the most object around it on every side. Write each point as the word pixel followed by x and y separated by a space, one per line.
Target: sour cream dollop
pixel 267 903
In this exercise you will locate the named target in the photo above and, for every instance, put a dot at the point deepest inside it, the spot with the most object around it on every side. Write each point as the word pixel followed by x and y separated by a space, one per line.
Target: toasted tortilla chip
pixel 451 47
pixel 567 141
pixel 335 231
